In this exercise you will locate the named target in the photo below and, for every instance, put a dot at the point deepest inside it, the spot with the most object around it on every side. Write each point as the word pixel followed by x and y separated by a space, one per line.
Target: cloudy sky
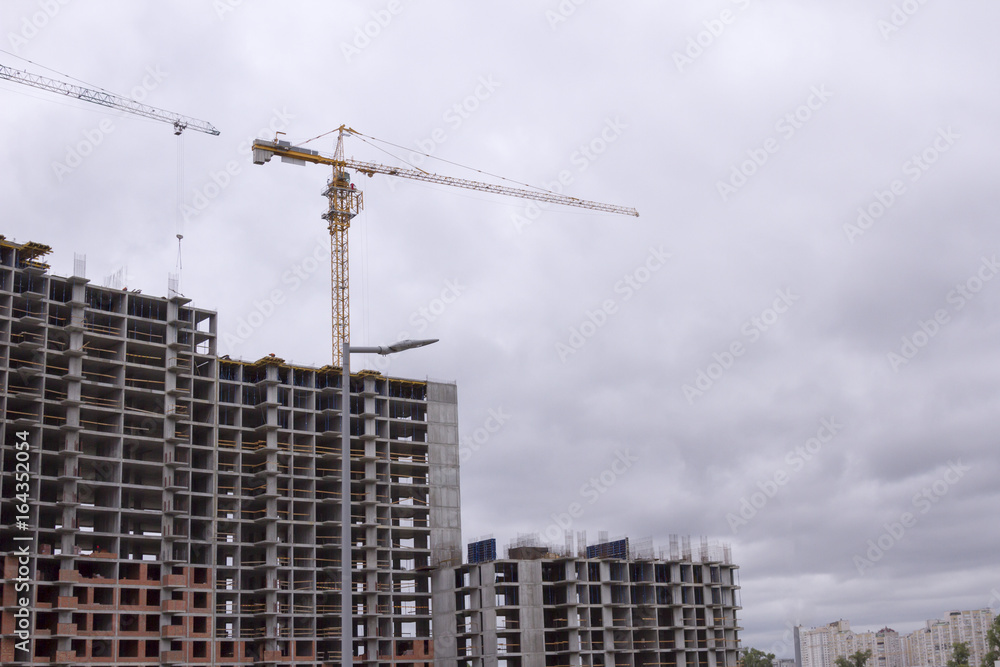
pixel 792 349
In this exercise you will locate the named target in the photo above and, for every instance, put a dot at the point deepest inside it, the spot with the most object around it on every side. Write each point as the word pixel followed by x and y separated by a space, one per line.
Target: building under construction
pixel 184 508
pixel 609 605
pixel 162 505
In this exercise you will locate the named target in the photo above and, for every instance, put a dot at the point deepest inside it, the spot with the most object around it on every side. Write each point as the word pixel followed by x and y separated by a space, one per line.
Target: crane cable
pixel 365 137
pixel 320 136
pixel 423 171
pixel 106 110
pixel 180 154
pixel 178 216
pixel 457 164
pixel 63 74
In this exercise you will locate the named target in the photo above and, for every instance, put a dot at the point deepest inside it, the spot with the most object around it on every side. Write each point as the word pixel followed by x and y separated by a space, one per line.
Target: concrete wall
pixel 444 629
pixel 446 514
pixel 443 460
pixel 529 575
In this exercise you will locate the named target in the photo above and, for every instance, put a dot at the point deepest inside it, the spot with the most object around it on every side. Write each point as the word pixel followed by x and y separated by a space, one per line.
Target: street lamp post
pixel 346 541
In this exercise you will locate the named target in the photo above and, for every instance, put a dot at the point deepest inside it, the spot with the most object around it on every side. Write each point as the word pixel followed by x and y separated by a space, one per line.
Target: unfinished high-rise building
pixel 183 509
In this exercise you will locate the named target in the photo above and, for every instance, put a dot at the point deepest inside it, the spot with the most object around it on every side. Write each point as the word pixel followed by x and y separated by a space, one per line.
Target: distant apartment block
pixel 931 646
pixel 820 647
pixel 928 647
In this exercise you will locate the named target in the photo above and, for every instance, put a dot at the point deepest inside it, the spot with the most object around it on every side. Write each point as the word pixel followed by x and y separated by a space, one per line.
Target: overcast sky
pixel 792 350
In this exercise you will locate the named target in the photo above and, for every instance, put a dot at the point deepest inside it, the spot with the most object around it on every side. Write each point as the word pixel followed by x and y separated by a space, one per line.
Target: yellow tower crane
pixel 345 202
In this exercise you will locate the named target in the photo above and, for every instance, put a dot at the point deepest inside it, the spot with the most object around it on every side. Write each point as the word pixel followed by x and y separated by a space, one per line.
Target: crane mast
pixel 345 202
pixel 106 99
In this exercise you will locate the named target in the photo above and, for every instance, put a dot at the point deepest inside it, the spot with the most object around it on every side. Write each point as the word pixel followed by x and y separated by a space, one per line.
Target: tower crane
pixel 345 202
pixel 107 99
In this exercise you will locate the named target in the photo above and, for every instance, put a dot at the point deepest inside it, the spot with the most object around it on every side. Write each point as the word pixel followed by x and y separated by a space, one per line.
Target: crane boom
pixel 345 201
pixel 263 150
pixel 107 99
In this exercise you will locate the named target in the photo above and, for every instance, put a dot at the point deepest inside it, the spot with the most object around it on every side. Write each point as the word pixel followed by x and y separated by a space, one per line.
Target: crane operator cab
pixel 342 179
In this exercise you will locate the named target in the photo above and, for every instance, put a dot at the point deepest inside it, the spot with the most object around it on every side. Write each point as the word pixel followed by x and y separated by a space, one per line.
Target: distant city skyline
pixel 930 646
